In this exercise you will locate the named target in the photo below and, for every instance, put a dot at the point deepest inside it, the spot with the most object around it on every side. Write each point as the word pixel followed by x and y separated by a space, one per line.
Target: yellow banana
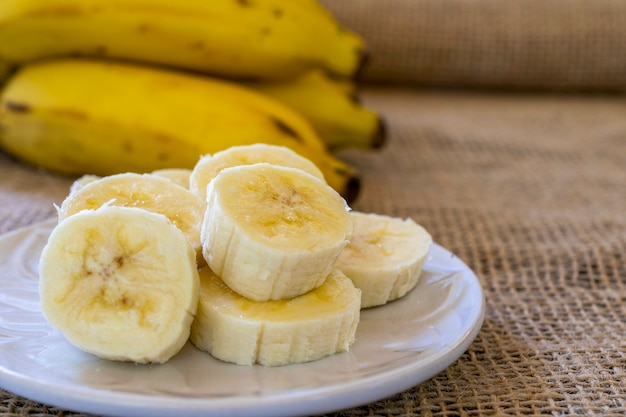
pixel 5 71
pixel 260 39
pixel 80 116
pixel 332 107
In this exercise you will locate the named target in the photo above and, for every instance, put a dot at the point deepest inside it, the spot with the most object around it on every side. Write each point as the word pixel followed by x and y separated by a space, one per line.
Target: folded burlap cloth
pixel 565 44
pixel 528 189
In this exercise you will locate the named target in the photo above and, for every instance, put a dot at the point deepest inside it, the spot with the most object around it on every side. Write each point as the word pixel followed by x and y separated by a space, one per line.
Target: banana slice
pixel 146 191
pixel 179 176
pixel 209 166
pixel 235 329
pixel 385 256
pixel 120 283
pixel 82 181
pixel 273 232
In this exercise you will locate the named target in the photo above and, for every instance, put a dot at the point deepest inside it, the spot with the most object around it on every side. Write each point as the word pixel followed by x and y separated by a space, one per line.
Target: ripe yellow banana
pixel 5 71
pixel 261 39
pixel 332 107
pixel 120 283
pixel 99 117
pixel 235 329
pixel 273 232
pixel 384 257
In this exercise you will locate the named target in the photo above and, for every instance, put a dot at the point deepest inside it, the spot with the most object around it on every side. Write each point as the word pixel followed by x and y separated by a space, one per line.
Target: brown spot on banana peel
pixel 354 98
pixel 144 27
pixel 57 11
pixel 70 114
pixel 17 107
pixel 197 45
pixel 100 50
pixel 286 129
pixel 163 157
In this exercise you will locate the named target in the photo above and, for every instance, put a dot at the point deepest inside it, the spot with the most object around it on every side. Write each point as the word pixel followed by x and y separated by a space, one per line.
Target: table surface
pixel 529 190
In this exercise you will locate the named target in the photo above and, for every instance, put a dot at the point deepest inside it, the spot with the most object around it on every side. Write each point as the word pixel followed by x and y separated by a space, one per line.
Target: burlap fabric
pixel 555 44
pixel 529 189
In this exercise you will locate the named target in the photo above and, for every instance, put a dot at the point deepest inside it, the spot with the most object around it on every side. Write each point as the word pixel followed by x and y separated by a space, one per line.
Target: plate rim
pixel 324 399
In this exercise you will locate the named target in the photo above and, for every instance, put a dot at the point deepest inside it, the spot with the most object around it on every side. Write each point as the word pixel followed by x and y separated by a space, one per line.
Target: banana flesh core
pixel 120 283
pixel 273 232
pixel 235 329
pixel 209 166
pixel 292 211
pixel 146 191
pixel 384 257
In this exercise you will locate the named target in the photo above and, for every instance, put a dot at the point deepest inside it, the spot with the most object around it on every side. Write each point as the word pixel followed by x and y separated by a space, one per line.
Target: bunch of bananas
pixel 107 86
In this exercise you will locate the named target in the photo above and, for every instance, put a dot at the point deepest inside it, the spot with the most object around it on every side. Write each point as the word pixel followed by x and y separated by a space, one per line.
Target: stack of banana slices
pixel 110 86
pixel 251 255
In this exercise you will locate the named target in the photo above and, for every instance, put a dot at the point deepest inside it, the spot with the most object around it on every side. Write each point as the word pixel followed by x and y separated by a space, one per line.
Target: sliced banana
pixel 82 181
pixel 210 165
pixel 385 256
pixel 120 283
pixel 179 176
pixel 146 191
pixel 273 232
pixel 235 329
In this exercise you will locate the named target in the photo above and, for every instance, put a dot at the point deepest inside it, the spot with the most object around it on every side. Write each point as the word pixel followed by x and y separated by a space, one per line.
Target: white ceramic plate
pixel 398 346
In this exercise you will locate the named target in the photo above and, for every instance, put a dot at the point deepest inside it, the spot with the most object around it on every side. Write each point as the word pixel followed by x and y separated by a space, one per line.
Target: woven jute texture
pixel 530 192
pixel 543 44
